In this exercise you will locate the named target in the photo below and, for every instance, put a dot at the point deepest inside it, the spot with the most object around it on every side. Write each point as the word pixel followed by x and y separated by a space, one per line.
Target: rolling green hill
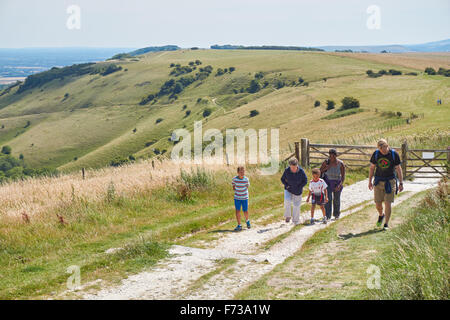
pixel 89 115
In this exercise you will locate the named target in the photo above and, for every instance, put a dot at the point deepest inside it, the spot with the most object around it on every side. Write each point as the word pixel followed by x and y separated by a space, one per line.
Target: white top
pixel 317 187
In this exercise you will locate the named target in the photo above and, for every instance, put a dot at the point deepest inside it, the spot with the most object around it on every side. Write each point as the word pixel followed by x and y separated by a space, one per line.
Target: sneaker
pixel 248 224
pixel 380 221
pixel 336 217
pixel 386 227
pixel 312 221
pixel 324 221
pixel 288 219
pixel 238 228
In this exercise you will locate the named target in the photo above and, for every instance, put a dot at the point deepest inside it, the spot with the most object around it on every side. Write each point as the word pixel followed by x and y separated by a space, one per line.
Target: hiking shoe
pixel 248 224
pixel 238 228
pixel 380 221
pixel 324 220
pixel 288 219
pixel 336 217
pixel 312 221
pixel 386 227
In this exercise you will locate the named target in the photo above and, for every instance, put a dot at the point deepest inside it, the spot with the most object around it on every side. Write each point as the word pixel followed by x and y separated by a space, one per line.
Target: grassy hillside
pixel 96 118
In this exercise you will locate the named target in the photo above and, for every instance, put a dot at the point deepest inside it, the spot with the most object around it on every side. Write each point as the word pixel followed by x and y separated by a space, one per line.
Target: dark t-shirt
pixel 385 164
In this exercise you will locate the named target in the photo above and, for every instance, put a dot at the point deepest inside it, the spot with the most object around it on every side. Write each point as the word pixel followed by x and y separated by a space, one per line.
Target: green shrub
pixel 118 162
pixel 340 114
pixel 254 86
pixel 394 72
pixel 254 113
pixel 349 103
pixel 430 71
pixel 330 104
pixel 259 75
pixel 159 120
pixel 6 150
pixel 220 72
pixel 206 112
pixel 179 70
pixel 316 103
pixel 280 84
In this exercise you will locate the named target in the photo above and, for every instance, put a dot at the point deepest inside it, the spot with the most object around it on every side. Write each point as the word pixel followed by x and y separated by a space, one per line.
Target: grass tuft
pixel 417 267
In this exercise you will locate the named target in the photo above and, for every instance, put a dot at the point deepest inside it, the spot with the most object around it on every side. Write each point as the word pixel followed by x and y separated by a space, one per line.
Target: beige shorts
pixel 380 193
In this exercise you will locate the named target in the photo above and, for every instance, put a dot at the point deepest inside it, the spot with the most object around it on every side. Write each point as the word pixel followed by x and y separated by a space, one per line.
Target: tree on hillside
pixel 317 103
pixel 178 88
pixel 259 75
pixel 254 86
pixel 330 104
pixel 430 71
pixel 349 103
pixel 254 113
pixel 394 72
pixel 206 112
pixel 6 150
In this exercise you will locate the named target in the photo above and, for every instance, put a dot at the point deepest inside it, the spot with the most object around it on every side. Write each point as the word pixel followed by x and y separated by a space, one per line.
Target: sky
pixel 201 23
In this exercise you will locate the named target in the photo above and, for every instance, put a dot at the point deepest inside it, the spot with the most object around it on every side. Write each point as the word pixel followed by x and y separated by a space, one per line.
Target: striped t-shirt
pixel 241 188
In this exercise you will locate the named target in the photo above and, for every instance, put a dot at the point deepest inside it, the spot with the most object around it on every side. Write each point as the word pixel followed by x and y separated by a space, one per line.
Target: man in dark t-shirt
pixel 385 162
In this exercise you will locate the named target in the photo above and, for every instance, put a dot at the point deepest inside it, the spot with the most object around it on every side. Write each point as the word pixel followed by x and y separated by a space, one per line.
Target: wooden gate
pixel 416 163
pixel 427 163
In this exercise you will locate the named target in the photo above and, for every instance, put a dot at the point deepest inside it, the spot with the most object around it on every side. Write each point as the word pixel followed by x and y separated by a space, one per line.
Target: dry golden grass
pixel 418 61
pixel 40 195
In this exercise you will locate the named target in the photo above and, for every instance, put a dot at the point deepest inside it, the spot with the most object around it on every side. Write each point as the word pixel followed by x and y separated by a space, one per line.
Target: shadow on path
pixel 222 231
pixel 357 235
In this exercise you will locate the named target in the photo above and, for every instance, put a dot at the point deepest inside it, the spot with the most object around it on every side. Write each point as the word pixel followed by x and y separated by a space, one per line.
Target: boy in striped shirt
pixel 240 186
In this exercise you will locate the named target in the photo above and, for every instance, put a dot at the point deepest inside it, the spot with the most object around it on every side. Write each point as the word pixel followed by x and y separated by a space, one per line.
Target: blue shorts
pixel 241 203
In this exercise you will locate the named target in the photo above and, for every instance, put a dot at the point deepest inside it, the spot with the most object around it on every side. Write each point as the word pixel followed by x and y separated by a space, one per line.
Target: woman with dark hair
pixel 333 172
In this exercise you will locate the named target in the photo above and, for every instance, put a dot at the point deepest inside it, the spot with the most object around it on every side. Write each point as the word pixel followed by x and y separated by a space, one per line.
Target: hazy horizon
pixel 208 47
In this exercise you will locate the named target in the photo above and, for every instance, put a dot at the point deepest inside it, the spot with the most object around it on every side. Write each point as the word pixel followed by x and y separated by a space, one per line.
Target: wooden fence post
pixel 304 147
pixel 448 160
pixel 153 164
pixel 404 157
pixel 297 150
pixel 83 173
pixel 307 154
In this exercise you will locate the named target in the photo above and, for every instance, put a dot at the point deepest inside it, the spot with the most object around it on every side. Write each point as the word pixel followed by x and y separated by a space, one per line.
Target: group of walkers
pixel 326 185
